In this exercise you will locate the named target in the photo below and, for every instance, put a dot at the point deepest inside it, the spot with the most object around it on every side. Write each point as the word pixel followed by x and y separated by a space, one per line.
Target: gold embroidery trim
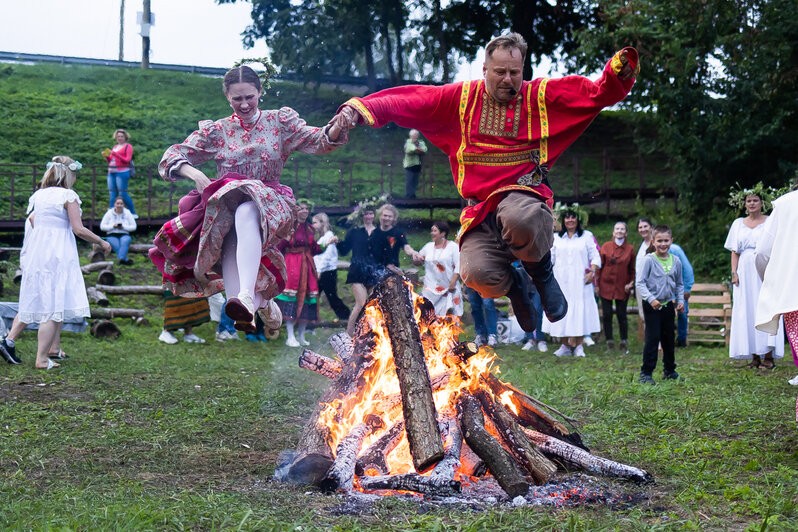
pixel 181 229
pixel 494 115
pixel 499 159
pixel 544 122
pixel 462 110
pixel 364 112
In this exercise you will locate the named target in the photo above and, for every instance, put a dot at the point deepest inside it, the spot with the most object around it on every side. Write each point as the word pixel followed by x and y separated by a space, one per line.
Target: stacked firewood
pixel 485 426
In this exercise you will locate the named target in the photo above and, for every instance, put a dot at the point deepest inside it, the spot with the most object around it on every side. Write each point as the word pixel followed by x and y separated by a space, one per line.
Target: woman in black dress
pixel 361 276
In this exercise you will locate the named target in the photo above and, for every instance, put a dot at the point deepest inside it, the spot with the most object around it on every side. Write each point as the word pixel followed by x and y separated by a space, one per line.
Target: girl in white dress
pixel 441 259
pixel 52 288
pixel 746 342
pixel 576 260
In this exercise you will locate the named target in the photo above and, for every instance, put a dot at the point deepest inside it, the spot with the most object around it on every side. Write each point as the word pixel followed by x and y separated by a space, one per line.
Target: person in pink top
pixel 119 166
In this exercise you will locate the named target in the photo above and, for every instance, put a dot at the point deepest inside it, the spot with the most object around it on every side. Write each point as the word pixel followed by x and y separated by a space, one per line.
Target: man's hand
pixel 687 296
pixel 627 72
pixel 656 305
pixel 680 307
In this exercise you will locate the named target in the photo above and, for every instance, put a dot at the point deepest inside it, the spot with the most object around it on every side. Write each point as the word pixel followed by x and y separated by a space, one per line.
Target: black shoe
pixel 551 296
pixel 646 378
pixel 9 353
pixel 681 343
pixel 520 300
pixel 671 375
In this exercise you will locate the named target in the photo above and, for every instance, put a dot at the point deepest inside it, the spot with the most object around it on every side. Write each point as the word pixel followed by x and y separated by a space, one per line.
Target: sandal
pixel 753 364
pixel 768 363
pixel 58 356
pixel 50 365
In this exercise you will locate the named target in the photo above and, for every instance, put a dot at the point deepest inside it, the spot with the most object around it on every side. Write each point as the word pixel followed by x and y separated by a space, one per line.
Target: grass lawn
pixel 133 434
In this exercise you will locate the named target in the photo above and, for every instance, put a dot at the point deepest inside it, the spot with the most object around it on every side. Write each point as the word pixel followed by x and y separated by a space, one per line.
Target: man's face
pixel 387 219
pixel 503 71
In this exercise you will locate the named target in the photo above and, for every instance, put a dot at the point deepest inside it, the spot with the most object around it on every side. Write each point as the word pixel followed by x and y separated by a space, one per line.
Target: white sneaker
pixel 528 346
pixel 794 381
pixel 579 351
pixel 542 346
pixel 193 339
pixel 303 341
pixel 563 351
pixel 167 337
pixel 221 336
pixel 588 341
pixel 493 340
pixel 480 340
pixel 291 342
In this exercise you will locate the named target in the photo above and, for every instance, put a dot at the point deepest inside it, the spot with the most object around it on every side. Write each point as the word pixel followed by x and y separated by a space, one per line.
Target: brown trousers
pixel 521 228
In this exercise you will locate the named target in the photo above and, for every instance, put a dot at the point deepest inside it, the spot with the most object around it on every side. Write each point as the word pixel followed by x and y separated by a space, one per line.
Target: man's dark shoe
pixel 9 353
pixel 671 375
pixel 681 343
pixel 520 300
pixel 645 378
pixel 551 296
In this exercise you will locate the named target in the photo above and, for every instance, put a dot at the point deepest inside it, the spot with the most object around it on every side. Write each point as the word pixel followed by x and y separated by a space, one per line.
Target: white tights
pixel 241 252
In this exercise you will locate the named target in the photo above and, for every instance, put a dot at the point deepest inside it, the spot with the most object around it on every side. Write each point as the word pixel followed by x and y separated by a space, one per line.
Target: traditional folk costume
pixel 500 154
pixel 440 264
pixel 249 162
pixel 299 300
pixel 745 339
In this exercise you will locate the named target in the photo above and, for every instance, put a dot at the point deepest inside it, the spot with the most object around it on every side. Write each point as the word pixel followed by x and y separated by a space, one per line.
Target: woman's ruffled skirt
pixel 188 248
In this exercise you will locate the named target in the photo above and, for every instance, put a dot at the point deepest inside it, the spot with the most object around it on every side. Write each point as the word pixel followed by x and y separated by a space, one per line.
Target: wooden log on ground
pixel 374 457
pixel 110 313
pixel 530 415
pixel 342 344
pixel 412 482
pixel 573 456
pixel 96 254
pixel 501 463
pixel 341 475
pixel 18 276
pixel 140 248
pixel 104 329
pixel 452 447
pixel 322 365
pixel 97 266
pixel 97 297
pixel 471 464
pixel 106 277
pixel 539 467
pixel 131 289
pixel 418 406
pixel 140 321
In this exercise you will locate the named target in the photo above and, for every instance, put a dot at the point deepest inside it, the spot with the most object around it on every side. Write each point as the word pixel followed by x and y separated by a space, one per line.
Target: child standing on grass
pixel 659 283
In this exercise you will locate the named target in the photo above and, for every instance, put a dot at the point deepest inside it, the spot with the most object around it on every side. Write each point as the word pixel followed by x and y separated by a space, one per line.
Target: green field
pixel 133 434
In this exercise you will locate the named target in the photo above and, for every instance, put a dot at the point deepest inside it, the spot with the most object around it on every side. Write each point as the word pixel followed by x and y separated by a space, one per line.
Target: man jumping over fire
pixel 501 135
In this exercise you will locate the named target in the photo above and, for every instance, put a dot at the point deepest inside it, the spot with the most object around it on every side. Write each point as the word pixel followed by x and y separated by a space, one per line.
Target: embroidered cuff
pixel 631 57
pixel 361 109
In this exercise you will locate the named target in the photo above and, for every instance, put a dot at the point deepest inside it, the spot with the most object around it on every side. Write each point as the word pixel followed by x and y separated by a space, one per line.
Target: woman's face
pixel 120 137
pixel 619 231
pixel 302 213
pixel 317 225
pixel 436 234
pixel 243 98
pixel 644 228
pixel 387 219
pixel 119 205
pixel 368 217
pixel 570 222
pixel 753 204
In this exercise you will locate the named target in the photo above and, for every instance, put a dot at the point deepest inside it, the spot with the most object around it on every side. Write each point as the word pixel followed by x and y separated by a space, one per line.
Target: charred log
pixel 412 482
pixel 341 475
pixel 501 464
pixel 452 448
pixel 418 406
pixel 471 464
pixel 322 365
pixel 342 344
pixel 374 457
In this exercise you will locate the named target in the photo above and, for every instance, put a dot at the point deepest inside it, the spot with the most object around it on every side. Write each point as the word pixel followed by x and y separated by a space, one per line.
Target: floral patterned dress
pixel 249 164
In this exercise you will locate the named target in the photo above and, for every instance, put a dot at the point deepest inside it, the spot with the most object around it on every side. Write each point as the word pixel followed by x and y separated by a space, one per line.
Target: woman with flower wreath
pixel 576 260
pixel 226 233
pixel 746 342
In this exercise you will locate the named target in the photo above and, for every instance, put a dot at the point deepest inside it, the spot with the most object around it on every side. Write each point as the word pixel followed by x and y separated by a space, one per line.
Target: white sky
pixel 186 32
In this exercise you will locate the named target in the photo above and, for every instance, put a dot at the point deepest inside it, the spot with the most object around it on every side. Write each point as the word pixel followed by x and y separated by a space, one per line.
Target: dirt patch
pixel 39 392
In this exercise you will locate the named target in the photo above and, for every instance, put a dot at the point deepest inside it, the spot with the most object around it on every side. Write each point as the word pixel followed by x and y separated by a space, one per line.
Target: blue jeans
pixel 681 324
pixel 117 187
pixel 537 334
pixel 120 245
pixel 225 323
pixel 483 311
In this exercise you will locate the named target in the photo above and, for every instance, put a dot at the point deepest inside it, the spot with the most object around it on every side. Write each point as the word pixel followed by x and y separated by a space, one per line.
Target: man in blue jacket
pixel 689 280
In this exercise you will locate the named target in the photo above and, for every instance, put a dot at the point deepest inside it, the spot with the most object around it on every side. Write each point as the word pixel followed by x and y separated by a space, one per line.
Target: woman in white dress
pixel 746 342
pixel 52 288
pixel 576 260
pixel 441 260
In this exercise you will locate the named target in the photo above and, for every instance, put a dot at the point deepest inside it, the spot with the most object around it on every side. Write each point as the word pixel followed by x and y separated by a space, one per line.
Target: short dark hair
pixel 242 74
pixel 662 229
pixel 508 40
pixel 571 214
pixel 647 220
pixel 442 226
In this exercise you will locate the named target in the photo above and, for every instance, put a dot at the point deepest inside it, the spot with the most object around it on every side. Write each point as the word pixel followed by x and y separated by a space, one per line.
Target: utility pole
pixel 122 30
pixel 145 35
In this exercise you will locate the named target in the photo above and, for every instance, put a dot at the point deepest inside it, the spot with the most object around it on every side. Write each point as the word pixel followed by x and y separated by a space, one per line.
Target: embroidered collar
pixel 243 124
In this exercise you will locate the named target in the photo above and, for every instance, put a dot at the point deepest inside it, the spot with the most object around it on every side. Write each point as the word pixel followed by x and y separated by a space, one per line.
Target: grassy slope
pixel 133 434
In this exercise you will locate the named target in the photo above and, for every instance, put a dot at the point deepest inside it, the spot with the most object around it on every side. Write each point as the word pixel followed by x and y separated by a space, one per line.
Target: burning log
pixel 342 344
pixel 131 289
pixel 576 457
pixel 342 473
pixel 412 482
pixel 465 350
pixel 97 297
pixel 411 370
pixel 501 463
pixel 452 445
pixel 471 464
pixel 374 456
pixel 319 363
pixel 96 266
pixel 540 467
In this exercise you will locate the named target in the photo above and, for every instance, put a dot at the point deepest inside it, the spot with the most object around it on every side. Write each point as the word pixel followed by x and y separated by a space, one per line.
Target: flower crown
pixel 367 204
pixel 269 70
pixel 581 213
pixel 738 194
pixel 72 166
pixel 305 201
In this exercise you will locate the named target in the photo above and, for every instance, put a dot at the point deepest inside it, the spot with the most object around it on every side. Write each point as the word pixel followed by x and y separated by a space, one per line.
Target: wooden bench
pixel 709 317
